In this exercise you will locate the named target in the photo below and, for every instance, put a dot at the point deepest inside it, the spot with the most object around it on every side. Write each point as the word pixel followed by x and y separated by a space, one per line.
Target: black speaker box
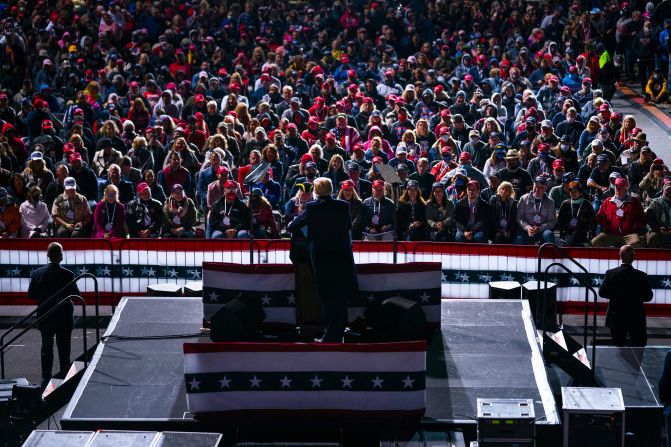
pixel 397 318
pixel 237 320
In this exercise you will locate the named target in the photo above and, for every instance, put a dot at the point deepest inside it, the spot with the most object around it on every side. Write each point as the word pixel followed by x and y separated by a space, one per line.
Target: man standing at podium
pixel 627 289
pixel 330 249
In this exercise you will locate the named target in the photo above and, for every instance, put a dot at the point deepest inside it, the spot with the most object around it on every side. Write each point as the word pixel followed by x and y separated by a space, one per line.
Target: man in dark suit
pixel 330 249
pixel 627 289
pixel 44 282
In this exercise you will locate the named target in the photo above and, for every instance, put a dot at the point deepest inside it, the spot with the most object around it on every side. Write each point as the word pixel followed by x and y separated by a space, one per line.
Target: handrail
pixel 566 255
pixel 587 287
pixel 37 321
pixel 51 299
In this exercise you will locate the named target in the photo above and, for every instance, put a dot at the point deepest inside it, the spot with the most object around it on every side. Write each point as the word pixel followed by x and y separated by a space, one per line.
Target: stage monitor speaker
pixel 237 320
pixel 49 438
pixel 505 290
pixel 187 439
pixel 593 417
pixel 164 289
pixel 535 296
pixel 193 289
pixel 397 318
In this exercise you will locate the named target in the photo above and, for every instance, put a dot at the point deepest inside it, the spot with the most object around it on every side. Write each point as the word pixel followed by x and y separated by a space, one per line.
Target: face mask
pixel 513 166
pixel 310 175
pixel 445 138
pixel 543 155
pixel 447 157
pixel 460 182
pixel 499 156
pixel 230 196
pixel 564 147
pixel 474 140
pixel 402 118
pixel 570 119
pixel 656 76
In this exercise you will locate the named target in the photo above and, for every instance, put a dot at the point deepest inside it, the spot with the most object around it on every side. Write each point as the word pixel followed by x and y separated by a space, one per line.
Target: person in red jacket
pixel 9 216
pixel 263 220
pixel 621 218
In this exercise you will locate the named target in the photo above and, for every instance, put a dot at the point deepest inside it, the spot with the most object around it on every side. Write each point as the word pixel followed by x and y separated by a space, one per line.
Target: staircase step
pixel 53 384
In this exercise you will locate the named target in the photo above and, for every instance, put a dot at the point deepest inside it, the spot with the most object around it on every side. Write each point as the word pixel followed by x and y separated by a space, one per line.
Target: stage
pixel 136 379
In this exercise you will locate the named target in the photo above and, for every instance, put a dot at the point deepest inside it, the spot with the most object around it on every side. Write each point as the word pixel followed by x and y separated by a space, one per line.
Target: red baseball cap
pixel 378 184
pixel 473 183
pixel 231 184
pixel 344 58
pixel 621 181
pixel 465 156
pixel 222 170
pixel 199 98
pixel 347 184
pixel 142 187
pixel 544 147
pixel 558 164
pixel 75 156
pixel 47 124
pixel 330 136
pixel 378 159
pixel 468 77
pixel 68 148
pixel 306 157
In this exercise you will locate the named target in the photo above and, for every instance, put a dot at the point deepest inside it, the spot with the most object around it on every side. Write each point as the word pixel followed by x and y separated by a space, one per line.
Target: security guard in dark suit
pixel 44 282
pixel 627 289
pixel 330 250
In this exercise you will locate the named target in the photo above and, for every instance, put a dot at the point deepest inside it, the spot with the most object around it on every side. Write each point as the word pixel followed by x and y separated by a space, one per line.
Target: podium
pixel 309 310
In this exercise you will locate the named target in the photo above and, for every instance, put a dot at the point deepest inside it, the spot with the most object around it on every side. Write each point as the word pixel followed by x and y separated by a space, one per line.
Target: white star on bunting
pixel 104 271
pixel 82 270
pixel 464 277
pixel 151 272
pixel 507 277
pixel 127 271
pixel 486 278
pixel 377 382
pixel 172 273
pixel 265 300
pixel 316 382
pixel 529 278
pixel 597 281
pixel 213 296
pixel 225 382
pixel 666 283
pixel 457 275
pixel 291 298
pixel 407 382
pixel 443 278
pixel 574 281
pixel 195 384
pixel 195 274
pixel 425 297
pixel 254 382
pixel 347 382
pixel 286 382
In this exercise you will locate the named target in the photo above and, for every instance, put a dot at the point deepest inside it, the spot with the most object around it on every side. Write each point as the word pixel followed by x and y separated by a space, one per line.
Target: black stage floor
pixel 484 349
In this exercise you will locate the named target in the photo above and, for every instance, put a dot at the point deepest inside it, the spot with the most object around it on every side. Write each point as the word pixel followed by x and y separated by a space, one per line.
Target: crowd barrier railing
pixel 127 267
pixel 19 257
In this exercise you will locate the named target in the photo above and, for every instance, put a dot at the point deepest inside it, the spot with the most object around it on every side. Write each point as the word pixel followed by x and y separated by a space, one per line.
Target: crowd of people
pixel 435 120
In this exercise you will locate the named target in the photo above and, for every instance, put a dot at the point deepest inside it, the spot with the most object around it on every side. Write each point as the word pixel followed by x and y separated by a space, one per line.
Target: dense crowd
pixel 436 120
